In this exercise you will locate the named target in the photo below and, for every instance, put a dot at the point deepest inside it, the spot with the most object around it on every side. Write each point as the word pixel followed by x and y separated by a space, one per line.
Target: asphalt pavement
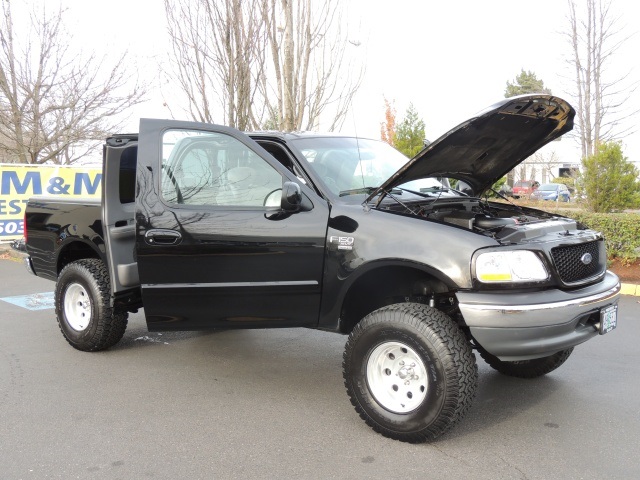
pixel 272 404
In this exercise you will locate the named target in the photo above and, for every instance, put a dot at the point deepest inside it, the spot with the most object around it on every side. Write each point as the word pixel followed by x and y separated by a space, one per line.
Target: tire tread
pixel 453 349
pixel 112 323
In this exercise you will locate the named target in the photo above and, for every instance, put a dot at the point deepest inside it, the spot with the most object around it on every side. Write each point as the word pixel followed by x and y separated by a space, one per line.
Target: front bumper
pixel 520 326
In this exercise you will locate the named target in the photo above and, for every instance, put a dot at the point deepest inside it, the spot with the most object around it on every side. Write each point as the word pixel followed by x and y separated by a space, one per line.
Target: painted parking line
pixel 34 301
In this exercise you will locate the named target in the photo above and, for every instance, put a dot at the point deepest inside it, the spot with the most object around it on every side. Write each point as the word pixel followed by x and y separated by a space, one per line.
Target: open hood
pixel 485 148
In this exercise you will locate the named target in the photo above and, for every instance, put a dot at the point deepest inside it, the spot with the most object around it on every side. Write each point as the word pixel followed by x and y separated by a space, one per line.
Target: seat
pixel 237 189
pixel 336 170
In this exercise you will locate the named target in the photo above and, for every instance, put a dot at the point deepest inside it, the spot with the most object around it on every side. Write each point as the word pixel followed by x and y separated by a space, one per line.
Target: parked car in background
pixel 557 192
pixel 524 188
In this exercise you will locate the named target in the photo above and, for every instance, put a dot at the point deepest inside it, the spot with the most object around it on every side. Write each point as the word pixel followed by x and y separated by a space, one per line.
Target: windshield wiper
pixel 355 191
pixel 367 190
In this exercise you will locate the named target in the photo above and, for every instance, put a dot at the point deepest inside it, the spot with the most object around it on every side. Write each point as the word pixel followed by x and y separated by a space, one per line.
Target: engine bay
pixel 504 222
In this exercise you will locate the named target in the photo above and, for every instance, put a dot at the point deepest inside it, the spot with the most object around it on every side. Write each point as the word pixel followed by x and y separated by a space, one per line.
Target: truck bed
pixel 50 231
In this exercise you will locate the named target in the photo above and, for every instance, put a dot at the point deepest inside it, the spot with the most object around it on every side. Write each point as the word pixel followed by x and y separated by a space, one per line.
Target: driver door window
pixel 214 169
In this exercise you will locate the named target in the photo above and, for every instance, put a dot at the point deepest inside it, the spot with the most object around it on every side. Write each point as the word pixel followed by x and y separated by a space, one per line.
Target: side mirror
pixel 288 199
pixel 291 197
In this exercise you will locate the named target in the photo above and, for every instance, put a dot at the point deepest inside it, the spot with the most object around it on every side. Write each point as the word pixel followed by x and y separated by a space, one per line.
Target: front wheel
pixel 83 310
pixel 409 371
pixel 534 368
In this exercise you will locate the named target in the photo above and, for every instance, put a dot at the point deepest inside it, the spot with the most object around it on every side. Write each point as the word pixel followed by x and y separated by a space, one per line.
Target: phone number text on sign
pixel 11 228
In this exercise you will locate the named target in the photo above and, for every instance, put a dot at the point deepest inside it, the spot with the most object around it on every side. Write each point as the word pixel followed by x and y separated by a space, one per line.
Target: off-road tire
pixel 83 311
pixel 446 371
pixel 534 368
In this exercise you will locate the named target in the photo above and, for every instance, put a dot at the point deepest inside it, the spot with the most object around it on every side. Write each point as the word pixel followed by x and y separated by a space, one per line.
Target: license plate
pixel 608 319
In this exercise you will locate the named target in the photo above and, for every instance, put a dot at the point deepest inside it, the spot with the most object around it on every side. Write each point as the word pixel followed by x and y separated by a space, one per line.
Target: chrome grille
pixel 569 265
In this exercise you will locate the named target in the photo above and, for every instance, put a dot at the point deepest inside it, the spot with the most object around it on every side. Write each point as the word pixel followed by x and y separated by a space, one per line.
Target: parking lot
pixel 271 404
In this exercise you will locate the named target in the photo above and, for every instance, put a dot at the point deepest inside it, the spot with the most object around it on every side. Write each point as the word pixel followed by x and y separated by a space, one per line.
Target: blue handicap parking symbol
pixel 34 301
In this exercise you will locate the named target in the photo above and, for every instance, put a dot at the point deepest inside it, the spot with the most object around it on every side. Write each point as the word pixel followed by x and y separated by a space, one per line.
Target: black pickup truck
pixel 211 228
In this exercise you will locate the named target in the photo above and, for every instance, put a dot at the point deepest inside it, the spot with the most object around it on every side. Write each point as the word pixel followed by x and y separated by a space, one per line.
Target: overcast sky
pixel 450 58
pixel 453 58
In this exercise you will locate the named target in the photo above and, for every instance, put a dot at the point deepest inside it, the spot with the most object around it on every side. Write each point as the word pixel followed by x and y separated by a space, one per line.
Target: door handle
pixel 162 236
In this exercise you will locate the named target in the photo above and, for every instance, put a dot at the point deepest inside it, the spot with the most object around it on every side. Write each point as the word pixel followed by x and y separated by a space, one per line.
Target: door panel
pixel 118 207
pixel 210 255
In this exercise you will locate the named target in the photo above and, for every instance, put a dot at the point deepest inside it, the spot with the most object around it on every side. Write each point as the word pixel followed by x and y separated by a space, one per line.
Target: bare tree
pixel 542 162
pixel 219 48
pixel 595 36
pixel 308 43
pixel 262 63
pixel 55 105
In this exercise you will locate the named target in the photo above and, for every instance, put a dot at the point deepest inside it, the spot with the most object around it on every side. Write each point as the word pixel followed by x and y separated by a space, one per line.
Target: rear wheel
pixel 409 372
pixel 536 367
pixel 83 311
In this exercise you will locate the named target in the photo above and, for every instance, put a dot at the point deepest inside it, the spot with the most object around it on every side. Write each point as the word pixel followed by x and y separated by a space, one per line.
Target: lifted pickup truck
pixel 207 227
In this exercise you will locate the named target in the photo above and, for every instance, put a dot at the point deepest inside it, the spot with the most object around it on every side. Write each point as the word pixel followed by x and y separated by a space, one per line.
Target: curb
pixel 630 289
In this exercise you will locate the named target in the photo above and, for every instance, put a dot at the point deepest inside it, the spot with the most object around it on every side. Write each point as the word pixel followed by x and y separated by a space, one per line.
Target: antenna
pixel 355 129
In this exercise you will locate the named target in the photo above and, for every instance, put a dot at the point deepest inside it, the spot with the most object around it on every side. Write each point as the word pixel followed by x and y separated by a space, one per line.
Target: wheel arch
pixel 76 250
pixel 385 282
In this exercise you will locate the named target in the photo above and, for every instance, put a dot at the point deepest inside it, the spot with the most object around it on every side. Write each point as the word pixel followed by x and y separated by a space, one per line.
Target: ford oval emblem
pixel 586 258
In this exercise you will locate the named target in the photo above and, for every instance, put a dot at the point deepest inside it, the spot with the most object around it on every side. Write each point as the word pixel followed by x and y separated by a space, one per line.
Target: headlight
pixel 511 266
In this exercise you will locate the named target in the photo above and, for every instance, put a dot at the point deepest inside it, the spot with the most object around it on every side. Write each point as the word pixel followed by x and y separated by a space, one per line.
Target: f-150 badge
pixel 344 243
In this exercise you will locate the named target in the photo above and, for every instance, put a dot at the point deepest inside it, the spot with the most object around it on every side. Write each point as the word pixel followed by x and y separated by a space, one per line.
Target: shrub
pixel 610 181
pixel 621 231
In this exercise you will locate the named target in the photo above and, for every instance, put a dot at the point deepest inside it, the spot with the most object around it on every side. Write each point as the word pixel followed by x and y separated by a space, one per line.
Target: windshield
pixel 356 165
pixel 548 187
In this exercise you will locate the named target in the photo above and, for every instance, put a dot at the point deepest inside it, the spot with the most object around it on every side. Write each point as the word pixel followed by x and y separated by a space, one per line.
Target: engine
pixel 509 223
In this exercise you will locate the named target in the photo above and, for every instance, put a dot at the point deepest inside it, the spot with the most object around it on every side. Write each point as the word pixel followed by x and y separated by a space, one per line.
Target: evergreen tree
pixel 525 82
pixel 409 138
